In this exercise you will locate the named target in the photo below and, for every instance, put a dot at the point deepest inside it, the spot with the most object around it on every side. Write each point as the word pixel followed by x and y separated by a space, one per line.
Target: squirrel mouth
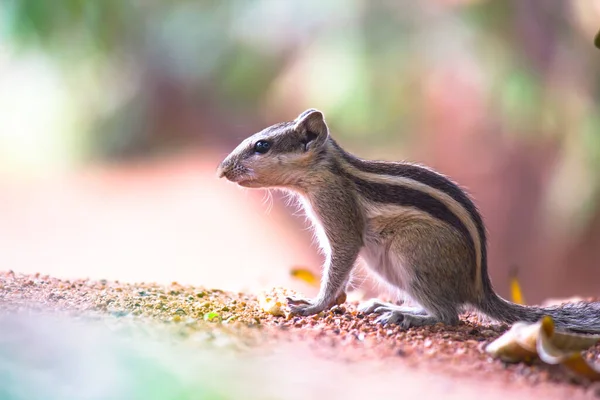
pixel 236 174
pixel 241 179
pixel 249 183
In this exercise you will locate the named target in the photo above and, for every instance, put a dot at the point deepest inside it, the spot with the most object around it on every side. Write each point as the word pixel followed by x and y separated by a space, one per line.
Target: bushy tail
pixel 575 317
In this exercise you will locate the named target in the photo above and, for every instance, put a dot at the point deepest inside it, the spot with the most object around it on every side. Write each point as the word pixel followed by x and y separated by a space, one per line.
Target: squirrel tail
pixel 581 317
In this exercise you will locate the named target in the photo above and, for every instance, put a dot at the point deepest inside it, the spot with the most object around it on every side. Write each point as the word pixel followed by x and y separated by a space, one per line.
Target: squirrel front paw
pixel 305 307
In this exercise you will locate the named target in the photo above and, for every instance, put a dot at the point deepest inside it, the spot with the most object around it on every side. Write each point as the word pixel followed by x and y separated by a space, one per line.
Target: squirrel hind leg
pixel 376 306
pixel 405 316
pixel 440 306
pixel 406 321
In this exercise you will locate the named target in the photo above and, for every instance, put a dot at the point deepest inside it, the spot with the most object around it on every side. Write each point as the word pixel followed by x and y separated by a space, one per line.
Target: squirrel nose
pixel 220 171
pixel 223 168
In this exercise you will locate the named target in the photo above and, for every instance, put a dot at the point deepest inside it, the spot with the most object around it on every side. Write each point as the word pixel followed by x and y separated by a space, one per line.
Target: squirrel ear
pixel 311 124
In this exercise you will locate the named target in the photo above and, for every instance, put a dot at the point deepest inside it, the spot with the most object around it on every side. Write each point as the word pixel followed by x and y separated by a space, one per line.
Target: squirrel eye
pixel 262 146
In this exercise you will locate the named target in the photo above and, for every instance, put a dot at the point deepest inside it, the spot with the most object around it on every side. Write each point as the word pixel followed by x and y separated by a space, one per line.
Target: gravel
pixel 235 321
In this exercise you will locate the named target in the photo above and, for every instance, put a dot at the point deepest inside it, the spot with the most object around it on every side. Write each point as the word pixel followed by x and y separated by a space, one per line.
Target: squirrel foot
pixel 404 316
pixel 304 306
pixel 379 307
pixel 405 320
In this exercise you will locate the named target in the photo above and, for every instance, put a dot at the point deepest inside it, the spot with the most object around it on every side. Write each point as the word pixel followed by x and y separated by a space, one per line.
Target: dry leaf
pixel 305 275
pixel 518 344
pixel 515 288
pixel 566 349
pixel 525 342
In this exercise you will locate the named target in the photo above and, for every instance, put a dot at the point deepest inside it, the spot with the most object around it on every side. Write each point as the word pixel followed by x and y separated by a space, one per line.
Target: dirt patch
pixel 341 336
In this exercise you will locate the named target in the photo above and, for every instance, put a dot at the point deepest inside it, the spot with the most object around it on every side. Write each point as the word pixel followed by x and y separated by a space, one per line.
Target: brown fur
pixel 416 229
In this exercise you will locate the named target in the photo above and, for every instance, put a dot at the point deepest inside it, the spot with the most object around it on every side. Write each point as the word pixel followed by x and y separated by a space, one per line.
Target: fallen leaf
pixel 518 344
pixel 525 342
pixel 567 350
pixel 305 275
pixel 515 287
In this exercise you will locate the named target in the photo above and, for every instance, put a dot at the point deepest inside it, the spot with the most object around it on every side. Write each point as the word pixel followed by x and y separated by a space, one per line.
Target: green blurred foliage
pixel 366 63
pixel 241 47
pixel 70 26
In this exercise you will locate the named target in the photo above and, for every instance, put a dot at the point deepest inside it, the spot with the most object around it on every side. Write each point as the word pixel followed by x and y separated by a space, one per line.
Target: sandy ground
pixel 340 354
pixel 155 221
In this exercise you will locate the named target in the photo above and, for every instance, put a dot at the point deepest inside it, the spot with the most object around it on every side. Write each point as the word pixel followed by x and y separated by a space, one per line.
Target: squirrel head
pixel 280 155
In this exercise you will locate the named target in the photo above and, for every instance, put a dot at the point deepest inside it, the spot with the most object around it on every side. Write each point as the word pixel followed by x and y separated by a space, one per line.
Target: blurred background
pixel 114 115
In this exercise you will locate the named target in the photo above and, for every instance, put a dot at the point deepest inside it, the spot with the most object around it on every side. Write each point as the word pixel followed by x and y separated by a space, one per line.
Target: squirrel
pixel 416 229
